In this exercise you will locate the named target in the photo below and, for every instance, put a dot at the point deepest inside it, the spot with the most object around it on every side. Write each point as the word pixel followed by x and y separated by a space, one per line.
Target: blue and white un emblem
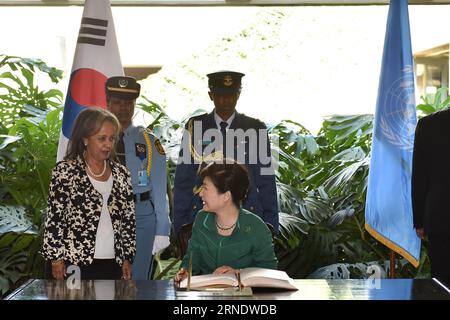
pixel 398 111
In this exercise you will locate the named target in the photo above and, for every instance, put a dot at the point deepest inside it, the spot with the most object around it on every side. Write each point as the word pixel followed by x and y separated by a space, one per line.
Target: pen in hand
pixel 238 276
pixel 189 273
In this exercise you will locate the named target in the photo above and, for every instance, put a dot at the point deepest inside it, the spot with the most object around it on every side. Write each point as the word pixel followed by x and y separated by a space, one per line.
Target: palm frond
pixel 344 173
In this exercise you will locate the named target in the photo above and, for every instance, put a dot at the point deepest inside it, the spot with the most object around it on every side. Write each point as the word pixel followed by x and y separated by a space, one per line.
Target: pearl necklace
pixel 96 175
pixel 225 229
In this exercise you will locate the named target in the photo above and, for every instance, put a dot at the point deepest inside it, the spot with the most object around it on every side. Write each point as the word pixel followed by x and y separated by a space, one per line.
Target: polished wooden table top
pixel 308 289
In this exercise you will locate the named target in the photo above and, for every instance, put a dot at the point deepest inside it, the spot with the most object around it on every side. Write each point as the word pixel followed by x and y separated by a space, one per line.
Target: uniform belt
pixel 142 196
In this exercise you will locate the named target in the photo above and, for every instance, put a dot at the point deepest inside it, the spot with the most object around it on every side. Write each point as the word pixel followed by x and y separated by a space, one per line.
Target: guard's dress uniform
pixel 142 154
pixel 262 198
pixel 146 161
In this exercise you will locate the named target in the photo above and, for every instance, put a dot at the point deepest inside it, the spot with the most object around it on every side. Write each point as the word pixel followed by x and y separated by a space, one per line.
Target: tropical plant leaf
pixel 349 271
pixel 338 217
pixel 21 89
pixel 15 219
pixel 434 103
pixel 344 174
pixel 8 238
pixel 7 140
pixel 22 243
pixel 12 267
pixel 166 269
pixel 290 226
pixel 425 108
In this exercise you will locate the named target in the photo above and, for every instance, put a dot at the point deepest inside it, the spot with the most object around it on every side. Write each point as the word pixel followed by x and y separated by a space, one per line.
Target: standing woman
pixel 91 215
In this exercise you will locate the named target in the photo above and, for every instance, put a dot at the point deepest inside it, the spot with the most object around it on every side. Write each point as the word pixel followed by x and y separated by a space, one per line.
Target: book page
pixel 269 278
pixel 195 293
pixel 211 280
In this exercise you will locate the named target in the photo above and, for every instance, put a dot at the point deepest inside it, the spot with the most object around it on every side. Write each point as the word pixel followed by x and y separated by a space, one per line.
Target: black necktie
pixel 223 129
pixel 120 150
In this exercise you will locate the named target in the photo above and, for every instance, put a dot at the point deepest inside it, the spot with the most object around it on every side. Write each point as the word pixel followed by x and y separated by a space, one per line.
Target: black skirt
pixel 99 269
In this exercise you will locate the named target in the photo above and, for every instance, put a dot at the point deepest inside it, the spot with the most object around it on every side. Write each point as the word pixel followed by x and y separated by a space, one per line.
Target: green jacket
pixel 250 244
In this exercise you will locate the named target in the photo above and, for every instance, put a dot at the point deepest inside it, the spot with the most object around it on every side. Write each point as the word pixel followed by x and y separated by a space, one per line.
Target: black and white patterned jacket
pixel 73 214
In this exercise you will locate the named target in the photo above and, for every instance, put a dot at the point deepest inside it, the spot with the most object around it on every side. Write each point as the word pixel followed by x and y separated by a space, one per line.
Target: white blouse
pixel 104 241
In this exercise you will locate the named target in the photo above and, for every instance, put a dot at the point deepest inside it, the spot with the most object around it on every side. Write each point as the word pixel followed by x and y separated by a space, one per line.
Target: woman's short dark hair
pixel 88 123
pixel 229 176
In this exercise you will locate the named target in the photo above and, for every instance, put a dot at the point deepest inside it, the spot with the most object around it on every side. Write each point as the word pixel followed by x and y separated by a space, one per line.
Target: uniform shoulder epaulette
pixel 148 131
pixel 196 118
pixel 254 121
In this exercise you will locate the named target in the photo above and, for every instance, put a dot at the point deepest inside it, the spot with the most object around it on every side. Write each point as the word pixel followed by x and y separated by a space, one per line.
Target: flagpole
pixel 392 266
pixel 388 216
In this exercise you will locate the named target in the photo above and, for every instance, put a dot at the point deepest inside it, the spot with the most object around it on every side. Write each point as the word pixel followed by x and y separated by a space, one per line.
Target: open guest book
pixel 249 277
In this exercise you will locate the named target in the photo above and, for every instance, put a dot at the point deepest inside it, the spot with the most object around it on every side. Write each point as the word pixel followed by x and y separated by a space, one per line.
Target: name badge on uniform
pixel 142 178
pixel 141 150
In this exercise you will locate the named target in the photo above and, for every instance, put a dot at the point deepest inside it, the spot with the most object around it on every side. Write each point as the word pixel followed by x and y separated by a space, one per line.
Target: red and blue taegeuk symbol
pixel 86 89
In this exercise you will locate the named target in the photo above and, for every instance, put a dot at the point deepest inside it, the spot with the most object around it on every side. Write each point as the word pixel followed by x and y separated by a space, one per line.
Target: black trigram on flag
pixel 93 31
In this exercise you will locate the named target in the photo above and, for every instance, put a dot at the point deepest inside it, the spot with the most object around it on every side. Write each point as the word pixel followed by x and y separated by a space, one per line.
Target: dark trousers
pixel 101 269
pixel 439 258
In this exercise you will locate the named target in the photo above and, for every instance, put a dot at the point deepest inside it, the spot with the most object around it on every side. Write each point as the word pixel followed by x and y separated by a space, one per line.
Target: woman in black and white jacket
pixel 91 215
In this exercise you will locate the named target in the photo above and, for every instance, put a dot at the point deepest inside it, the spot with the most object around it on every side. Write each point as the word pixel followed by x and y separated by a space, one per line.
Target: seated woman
pixel 226 237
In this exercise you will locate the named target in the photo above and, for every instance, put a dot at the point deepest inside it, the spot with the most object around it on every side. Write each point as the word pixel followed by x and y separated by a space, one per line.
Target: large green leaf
pixel 8 238
pixel 349 271
pixel 290 227
pixel 166 269
pixel 29 76
pixel 15 219
pixel 6 139
pixel 21 89
pixel 343 174
pixel 12 265
pixel 29 134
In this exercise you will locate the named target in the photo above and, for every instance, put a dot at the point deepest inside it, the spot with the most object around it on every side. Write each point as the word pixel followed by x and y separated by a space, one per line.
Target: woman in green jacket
pixel 226 237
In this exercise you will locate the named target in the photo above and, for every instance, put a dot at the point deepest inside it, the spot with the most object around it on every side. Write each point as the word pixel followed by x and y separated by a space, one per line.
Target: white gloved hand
pixel 160 243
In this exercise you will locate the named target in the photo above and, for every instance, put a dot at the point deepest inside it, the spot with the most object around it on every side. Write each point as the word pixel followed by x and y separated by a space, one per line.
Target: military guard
pixel 199 146
pixel 142 153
